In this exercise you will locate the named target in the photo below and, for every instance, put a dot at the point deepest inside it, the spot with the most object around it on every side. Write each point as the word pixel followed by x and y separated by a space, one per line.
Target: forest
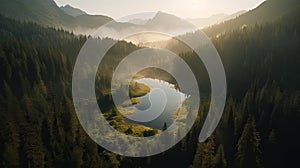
pixel 259 127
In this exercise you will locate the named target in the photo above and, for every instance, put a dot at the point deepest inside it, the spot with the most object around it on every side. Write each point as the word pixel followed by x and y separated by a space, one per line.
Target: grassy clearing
pixel 138 89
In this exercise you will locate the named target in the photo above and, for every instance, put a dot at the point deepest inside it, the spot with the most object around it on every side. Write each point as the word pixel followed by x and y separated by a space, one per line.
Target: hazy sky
pixel 181 8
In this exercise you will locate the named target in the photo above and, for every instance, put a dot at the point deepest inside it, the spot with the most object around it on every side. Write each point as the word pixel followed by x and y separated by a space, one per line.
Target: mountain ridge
pixel 72 11
pixel 47 13
pixel 267 11
pixel 214 19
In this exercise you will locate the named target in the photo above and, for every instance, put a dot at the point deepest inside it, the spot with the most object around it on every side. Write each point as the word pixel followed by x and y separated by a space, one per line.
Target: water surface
pixel 162 94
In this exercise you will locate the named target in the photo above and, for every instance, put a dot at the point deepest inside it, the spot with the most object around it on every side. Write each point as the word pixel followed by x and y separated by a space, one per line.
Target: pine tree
pixel 248 152
pixel 204 156
pixel 165 126
pixel 220 158
pixel 272 137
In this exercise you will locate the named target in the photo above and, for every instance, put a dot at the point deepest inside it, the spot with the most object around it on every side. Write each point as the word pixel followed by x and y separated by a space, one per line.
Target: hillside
pixel 167 21
pixel 47 13
pixel 268 11
pixel 44 12
pixel 214 19
pixel 72 11
pixel 39 126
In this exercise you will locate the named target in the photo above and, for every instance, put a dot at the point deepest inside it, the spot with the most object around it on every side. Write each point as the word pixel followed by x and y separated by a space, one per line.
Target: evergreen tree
pixel 204 156
pixel 165 126
pixel 248 152
pixel 220 158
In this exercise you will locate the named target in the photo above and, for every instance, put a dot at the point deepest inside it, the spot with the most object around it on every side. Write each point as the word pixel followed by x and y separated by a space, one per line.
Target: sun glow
pixel 184 9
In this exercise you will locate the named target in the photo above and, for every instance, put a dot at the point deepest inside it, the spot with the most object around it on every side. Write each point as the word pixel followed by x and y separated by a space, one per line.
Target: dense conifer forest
pixel 259 127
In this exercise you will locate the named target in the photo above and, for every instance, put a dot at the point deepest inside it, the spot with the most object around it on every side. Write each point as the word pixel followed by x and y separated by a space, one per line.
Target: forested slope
pixel 260 125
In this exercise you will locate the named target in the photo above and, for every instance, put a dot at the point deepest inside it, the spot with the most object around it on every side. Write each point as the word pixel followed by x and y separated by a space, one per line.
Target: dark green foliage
pixel 165 126
pixel 205 153
pixel 260 53
pixel 220 158
pixel 248 149
pixel 39 127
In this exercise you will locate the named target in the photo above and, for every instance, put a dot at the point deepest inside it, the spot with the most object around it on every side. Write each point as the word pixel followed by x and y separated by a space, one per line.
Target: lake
pixel 163 97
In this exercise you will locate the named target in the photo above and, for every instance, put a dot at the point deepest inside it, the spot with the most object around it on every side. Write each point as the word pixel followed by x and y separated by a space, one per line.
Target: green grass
pixel 138 89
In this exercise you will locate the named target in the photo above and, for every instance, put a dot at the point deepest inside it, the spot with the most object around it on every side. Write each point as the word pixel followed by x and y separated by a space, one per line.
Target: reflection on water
pixel 172 100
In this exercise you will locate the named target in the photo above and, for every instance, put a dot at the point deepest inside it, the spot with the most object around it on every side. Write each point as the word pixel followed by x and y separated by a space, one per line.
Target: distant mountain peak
pixel 68 9
pixel 162 18
pixel 161 14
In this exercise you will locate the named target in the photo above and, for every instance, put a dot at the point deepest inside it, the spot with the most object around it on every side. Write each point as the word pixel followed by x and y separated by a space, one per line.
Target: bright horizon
pixel 186 9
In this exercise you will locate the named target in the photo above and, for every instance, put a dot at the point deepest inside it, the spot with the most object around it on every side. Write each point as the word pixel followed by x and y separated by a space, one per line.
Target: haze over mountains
pixel 268 11
pixel 72 11
pixel 199 22
pixel 214 19
pixel 47 13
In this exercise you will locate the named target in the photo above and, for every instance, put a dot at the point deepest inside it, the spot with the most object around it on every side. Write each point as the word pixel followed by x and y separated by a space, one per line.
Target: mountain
pixel 268 11
pixel 214 19
pixel 44 12
pixel 84 20
pixel 167 21
pixel 161 22
pixel 234 15
pixel 47 13
pixel 138 21
pixel 202 22
pixel 72 11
